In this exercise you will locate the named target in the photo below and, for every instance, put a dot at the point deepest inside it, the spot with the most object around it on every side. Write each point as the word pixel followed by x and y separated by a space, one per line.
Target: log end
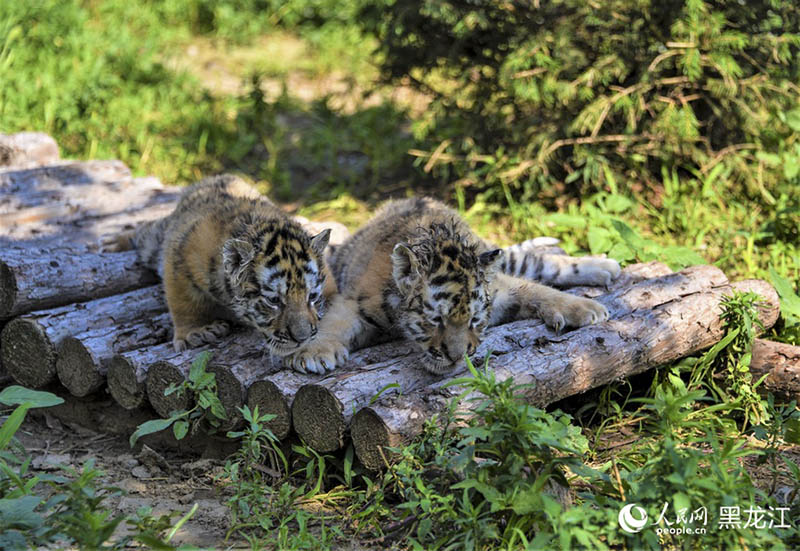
pixel 8 290
pixel 160 376
pixel 77 369
pixel 27 353
pixel 231 394
pixel 371 436
pixel 318 418
pixel 269 399
pixel 123 384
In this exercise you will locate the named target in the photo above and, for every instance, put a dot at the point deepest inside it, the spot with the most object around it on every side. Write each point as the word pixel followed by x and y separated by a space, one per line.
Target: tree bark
pixel 39 278
pixel 650 334
pixel 780 362
pixel 27 149
pixel 28 344
pixel 322 413
pixel 82 360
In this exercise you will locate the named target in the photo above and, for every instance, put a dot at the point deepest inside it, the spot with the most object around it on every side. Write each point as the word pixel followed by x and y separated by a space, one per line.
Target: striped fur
pixel 541 260
pixel 227 254
pixel 417 270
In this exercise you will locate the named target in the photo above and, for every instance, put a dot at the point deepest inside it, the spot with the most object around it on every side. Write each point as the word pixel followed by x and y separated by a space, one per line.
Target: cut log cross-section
pixel 561 366
pixel 28 343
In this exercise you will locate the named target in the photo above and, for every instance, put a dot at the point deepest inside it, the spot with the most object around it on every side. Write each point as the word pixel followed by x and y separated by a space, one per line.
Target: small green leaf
pixel 15 395
pixel 199 365
pixel 793 119
pixel 179 429
pixel 600 240
pixel 792 434
pixel 149 427
pixel 12 424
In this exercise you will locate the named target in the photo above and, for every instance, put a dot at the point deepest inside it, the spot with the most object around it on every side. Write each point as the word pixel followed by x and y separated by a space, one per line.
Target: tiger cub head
pixel 444 300
pixel 275 275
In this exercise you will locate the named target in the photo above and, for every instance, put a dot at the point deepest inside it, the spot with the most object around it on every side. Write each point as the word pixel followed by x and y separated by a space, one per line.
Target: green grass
pixel 290 95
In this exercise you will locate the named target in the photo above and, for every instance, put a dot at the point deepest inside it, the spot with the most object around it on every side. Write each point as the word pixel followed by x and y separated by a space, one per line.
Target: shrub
pixel 529 94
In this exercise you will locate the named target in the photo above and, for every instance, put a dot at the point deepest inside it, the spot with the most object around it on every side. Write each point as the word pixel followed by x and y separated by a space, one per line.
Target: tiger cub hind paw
pixel 573 312
pixel 208 334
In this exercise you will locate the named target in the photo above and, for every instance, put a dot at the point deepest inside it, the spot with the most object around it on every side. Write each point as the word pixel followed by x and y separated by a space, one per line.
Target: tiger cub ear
pixel 491 261
pixel 405 268
pixel 237 255
pixel 320 241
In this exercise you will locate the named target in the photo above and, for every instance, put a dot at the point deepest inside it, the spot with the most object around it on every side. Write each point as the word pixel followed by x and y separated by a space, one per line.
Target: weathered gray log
pixel 64 213
pixel 570 364
pixel 322 412
pixel 27 149
pixel 39 278
pixel 38 186
pixel 780 362
pixel 82 360
pixel 28 344
pixel 268 388
pixel 236 361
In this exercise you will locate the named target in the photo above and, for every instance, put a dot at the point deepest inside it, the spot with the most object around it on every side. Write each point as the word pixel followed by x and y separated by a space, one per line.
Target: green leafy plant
pixel 207 408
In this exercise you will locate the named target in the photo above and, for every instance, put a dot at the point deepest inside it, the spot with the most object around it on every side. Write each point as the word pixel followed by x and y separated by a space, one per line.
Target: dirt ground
pixel 164 480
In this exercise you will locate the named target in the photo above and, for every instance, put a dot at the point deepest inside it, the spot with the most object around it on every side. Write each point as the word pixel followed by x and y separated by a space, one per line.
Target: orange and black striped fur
pixel 417 270
pixel 227 254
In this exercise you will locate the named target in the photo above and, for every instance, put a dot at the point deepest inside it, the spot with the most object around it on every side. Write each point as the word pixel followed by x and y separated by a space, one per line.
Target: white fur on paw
pixel 592 271
pixel 576 312
pixel 318 357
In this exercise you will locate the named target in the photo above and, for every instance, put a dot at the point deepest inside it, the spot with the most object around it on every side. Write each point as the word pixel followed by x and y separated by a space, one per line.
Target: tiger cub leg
pixel 530 260
pixel 517 298
pixel 193 318
pixel 339 328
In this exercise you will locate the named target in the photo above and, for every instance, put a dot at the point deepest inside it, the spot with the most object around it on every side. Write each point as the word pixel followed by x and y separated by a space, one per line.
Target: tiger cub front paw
pixel 570 311
pixel 318 356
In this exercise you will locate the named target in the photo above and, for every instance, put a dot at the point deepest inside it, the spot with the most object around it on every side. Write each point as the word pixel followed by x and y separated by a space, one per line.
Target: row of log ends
pixel 96 322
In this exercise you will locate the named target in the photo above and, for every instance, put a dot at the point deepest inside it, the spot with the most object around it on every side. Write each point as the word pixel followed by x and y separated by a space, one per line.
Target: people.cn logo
pixel 629 522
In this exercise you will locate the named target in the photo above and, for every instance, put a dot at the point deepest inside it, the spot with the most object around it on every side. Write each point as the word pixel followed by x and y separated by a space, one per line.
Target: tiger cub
pixel 228 254
pixel 417 270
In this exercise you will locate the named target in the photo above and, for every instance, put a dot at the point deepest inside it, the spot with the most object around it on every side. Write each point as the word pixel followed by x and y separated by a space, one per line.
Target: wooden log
pixel 570 364
pixel 321 414
pixel 780 362
pixel 67 212
pixel 236 361
pixel 27 149
pixel 28 344
pixel 40 278
pixel 82 360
